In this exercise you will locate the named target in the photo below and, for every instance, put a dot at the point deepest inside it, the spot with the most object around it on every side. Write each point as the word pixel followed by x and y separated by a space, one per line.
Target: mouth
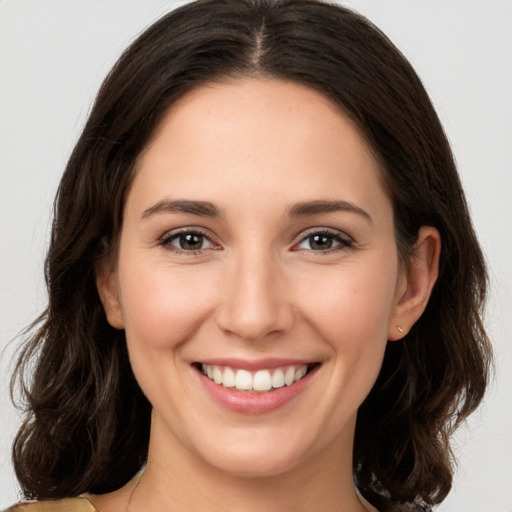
pixel 261 381
pixel 255 387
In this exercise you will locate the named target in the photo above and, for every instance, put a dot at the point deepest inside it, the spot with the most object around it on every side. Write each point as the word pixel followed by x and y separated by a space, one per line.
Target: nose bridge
pixel 254 304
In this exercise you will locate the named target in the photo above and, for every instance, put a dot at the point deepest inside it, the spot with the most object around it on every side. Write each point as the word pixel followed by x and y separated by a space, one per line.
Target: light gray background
pixel 53 55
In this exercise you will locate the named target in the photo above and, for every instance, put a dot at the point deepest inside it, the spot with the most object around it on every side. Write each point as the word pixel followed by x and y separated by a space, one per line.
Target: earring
pixel 399 329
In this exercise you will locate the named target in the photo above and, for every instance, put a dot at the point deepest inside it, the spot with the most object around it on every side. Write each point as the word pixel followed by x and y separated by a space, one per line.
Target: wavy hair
pixel 86 426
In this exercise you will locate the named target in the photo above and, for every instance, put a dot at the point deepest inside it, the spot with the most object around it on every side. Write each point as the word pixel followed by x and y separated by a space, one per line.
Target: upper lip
pixel 256 364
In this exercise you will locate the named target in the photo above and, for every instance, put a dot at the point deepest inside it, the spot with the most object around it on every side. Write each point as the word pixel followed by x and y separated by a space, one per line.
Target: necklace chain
pixel 127 506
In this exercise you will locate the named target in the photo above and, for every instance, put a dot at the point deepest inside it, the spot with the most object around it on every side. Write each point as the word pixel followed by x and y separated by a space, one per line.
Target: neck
pixel 176 476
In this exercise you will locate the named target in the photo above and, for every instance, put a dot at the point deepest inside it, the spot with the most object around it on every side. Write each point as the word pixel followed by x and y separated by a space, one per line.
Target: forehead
pixel 267 137
pixel 255 104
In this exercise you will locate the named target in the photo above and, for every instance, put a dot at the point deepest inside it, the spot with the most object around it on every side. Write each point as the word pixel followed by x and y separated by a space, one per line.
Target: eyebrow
pixel 201 208
pixel 207 209
pixel 318 207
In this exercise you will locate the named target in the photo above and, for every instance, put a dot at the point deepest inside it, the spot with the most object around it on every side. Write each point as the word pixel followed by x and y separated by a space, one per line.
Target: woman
pixel 264 286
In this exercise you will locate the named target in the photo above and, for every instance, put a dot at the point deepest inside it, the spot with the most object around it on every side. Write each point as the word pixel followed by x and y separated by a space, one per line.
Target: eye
pixel 187 241
pixel 324 241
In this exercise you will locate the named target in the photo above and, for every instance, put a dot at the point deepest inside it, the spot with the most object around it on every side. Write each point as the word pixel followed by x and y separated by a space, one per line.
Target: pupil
pixel 321 242
pixel 191 241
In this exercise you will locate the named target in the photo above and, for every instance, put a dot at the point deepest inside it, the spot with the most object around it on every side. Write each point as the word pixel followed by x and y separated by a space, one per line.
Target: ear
pixel 108 290
pixel 415 284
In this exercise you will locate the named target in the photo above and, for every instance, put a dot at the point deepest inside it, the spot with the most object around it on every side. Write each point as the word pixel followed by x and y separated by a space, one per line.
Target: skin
pixel 255 288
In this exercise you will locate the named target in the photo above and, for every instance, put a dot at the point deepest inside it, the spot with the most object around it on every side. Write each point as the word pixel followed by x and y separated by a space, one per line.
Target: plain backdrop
pixel 53 56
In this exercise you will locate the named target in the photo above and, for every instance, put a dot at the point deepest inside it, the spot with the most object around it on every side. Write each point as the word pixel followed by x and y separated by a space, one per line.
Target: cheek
pixel 162 307
pixel 350 306
pixel 349 312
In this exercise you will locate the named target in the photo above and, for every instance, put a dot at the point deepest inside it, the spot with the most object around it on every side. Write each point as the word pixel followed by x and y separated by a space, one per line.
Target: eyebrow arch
pixel 202 208
pixel 317 207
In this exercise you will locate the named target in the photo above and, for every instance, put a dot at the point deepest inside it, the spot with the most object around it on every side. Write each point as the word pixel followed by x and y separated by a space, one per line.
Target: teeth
pixel 217 375
pixel 243 379
pixel 278 379
pixel 262 380
pixel 228 379
pixel 289 376
pixel 300 373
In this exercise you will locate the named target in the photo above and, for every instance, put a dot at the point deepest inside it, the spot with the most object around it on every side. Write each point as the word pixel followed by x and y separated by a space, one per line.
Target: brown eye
pixel 187 241
pixel 324 241
pixel 190 241
pixel 320 242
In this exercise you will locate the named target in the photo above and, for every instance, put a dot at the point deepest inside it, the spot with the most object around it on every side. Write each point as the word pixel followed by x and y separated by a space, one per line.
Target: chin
pixel 257 465
pixel 257 455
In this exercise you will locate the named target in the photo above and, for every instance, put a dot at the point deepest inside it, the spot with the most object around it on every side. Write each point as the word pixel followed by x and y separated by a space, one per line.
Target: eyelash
pixel 336 236
pixel 166 241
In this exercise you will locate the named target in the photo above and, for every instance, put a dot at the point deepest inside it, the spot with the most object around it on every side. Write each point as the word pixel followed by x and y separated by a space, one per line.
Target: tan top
pixel 84 505
pixel 65 505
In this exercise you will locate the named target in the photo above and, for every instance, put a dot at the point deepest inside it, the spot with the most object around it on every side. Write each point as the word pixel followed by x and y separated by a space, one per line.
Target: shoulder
pixel 64 505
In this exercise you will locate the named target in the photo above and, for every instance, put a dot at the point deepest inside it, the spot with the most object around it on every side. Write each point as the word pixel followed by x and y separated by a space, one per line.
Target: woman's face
pixel 257 245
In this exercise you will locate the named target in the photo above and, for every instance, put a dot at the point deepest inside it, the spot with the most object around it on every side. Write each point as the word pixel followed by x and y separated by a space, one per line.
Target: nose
pixel 256 304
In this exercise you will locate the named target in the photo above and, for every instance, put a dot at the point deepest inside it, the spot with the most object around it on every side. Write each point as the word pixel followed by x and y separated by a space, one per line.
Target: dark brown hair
pixel 87 422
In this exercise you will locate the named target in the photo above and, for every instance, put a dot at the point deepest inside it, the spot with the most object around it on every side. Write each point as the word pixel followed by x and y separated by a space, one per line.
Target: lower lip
pixel 255 403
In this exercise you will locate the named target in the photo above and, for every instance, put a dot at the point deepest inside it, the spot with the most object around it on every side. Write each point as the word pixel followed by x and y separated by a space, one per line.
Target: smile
pixel 258 381
pixel 255 387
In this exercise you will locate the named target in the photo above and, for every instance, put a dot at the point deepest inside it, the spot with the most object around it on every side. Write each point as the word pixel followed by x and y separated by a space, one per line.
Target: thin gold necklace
pixel 126 508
